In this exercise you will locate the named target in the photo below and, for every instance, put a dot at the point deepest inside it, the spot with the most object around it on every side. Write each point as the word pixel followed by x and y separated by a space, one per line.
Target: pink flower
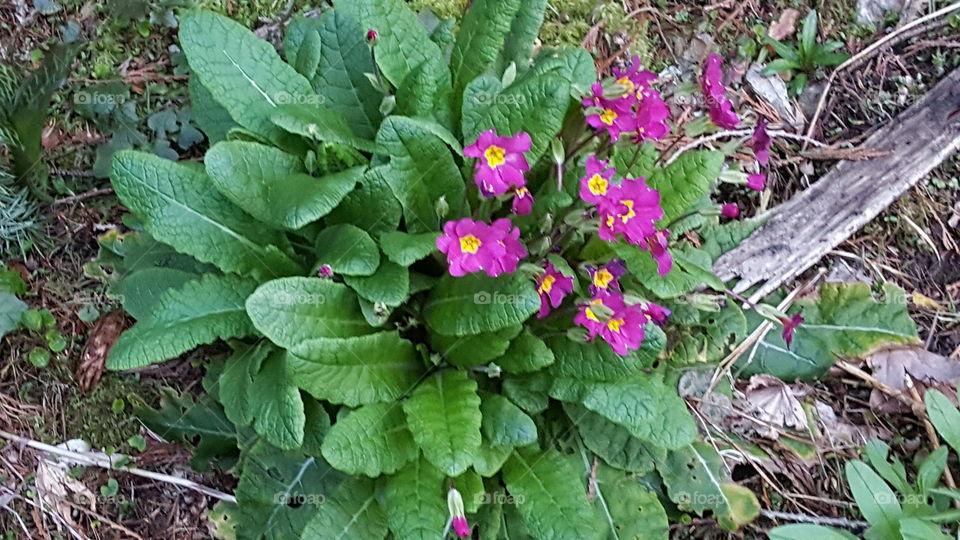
pixel 461 527
pixel 372 35
pixel 594 186
pixel 605 279
pixel 614 116
pixel 553 287
pixel 635 81
pixel 651 117
pixel 656 313
pixel 522 201
pixel 501 162
pixel 631 209
pixel 730 210
pixel 622 329
pixel 760 142
pixel 756 181
pixel 657 244
pixel 790 324
pixel 473 246
pixel 457 517
pixel 711 82
pixel 325 271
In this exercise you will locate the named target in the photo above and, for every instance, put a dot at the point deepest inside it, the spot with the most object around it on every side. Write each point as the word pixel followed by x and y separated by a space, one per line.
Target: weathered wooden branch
pixel 801 231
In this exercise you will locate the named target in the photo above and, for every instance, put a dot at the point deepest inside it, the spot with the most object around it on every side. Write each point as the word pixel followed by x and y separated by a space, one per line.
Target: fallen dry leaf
pixel 891 366
pixel 94 356
pixel 785 26
pixel 922 301
pixel 775 403
pixel 55 487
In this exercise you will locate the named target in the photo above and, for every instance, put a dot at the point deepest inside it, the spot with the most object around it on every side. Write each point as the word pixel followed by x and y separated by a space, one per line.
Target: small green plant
pixel 803 59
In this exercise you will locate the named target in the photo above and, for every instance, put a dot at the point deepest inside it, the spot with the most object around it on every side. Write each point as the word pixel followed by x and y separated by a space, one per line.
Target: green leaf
pixel 779 66
pixel 527 353
pixel 930 470
pixel 876 501
pixel 405 248
pixel 690 270
pixel 483 30
pixel 212 119
pixel 477 303
pixel 474 350
pixel 180 207
pixel 243 73
pixel 444 416
pixel 416 501
pixel 918 529
pixel 11 308
pixel 579 364
pixel 685 181
pixel 354 371
pixel 352 512
pixel 784 50
pixel 808 32
pixel 846 320
pixel 292 310
pixel 944 416
pixel 529 392
pixel 371 198
pixel 371 440
pixel 272 186
pixel 635 511
pixel 613 442
pixel 319 123
pixel 421 172
pixel 719 239
pixel 707 336
pixel 807 531
pixel 490 458
pixel 348 250
pixel 504 424
pixel 390 284
pixel 141 290
pixel 199 313
pixel 634 160
pixel 877 454
pixel 520 40
pixel 308 54
pixel 549 495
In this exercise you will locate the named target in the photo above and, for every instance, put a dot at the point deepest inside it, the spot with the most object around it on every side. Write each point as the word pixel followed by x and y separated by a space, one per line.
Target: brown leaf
pixel 891 366
pixel 785 26
pixel 775 403
pixel 94 357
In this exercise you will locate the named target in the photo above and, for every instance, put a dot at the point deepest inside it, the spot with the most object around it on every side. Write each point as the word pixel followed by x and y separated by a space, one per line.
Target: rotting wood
pixel 798 233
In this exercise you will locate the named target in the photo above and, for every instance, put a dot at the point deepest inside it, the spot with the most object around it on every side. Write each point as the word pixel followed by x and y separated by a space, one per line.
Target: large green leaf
pixel 476 349
pixel 212 119
pixel 389 285
pixel 706 336
pixel 405 248
pixel 421 172
pixel 371 206
pixel 416 501
pixel 550 495
pixel 319 123
pixel 613 442
pixel 371 440
pixel 352 512
pixel 490 458
pixel 200 312
pixel 691 270
pixel 357 370
pixel 272 186
pixel 876 501
pixel 444 416
pixel 292 310
pixel 483 30
pixel 944 416
pixel 523 33
pixel 808 531
pixel 527 353
pixel 504 424
pixel 277 415
pixel 477 303
pixel 348 249
pixel 845 320
pixel 243 73
pixel 685 181
pixel 180 207
pixel 635 511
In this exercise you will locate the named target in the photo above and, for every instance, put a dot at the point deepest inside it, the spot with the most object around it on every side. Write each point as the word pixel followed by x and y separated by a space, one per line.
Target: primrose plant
pixel 447 285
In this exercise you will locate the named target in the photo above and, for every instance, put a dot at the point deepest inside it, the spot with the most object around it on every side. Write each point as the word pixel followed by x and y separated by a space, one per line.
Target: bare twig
pixel 82 196
pixel 738 133
pixel 818 520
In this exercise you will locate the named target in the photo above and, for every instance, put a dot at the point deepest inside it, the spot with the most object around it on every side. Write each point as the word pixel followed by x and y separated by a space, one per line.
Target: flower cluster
pixel 501 166
pixel 474 246
pixel 626 103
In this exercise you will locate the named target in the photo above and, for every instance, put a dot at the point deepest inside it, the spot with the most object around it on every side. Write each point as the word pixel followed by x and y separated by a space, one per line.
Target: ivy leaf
pixel 354 371
pixel 405 248
pixel 527 353
pixel 483 30
pixel 549 495
pixel 180 207
pixel 473 350
pixel 243 73
pixel 292 310
pixel 613 442
pixel 476 303
pixel 372 197
pixel 371 440
pixel 685 181
pixel 416 501
pixel 272 186
pixel 635 511
pixel 845 320
pixel 351 512
pixel 421 172
pixel 504 424
pixel 444 416
pixel 277 415
pixel 390 284
pixel 200 312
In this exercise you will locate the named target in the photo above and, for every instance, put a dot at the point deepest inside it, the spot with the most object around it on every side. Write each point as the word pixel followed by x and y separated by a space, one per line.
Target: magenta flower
pixel 606 278
pixel 631 209
pixel 501 162
pixel 594 186
pixel 760 142
pixel 730 210
pixel 657 244
pixel 711 82
pixel 457 518
pixel 553 287
pixel 756 181
pixel 522 202
pixel 790 324
pixel 651 117
pixel 325 271
pixel 461 527
pixel 372 35
pixel 473 246
pixel 635 81
pixel 614 116
pixel 623 329
pixel 656 313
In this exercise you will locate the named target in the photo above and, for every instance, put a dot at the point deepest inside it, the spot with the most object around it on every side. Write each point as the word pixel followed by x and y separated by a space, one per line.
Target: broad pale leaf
pixel 371 440
pixel 389 285
pixel 319 123
pixel 352 512
pixel 476 303
pixel 648 408
pixel 444 416
pixel 490 458
pixel 808 531
pixel 944 416
pixel 523 33
pixel 635 511
pixel 483 30
pixel 875 500
pixel 473 350
pixel 416 501
pixel 504 424
pixel 348 250
pixel 405 248
pixel 613 442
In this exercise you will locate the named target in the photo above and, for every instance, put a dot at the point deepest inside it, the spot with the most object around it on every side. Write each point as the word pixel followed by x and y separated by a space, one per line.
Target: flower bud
pixel 372 37
pixel 442 208
pixel 457 517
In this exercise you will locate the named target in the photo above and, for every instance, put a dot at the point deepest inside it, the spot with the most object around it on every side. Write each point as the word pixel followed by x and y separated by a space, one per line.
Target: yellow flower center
pixel 547 284
pixel 630 213
pixel 494 156
pixel 615 324
pixel 470 244
pixel 598 185
pixel 602 278
pixel 628 85
pixel 608 116
pixel 589 312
